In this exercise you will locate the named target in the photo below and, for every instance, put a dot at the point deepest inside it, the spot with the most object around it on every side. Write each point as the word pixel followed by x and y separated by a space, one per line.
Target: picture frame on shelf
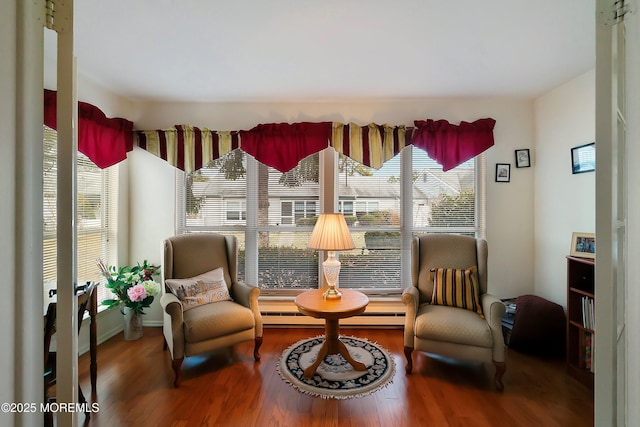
pixel 503 172
pixel 583 158
pixel 583 245
pixel 523 159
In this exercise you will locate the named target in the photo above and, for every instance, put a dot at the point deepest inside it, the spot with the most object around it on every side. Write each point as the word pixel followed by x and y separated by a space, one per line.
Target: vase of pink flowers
pixel 133 290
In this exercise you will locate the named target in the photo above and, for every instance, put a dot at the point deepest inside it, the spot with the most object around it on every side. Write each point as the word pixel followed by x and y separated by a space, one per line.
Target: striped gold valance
pixel 186 147
pixel 283 145
pixel 371 145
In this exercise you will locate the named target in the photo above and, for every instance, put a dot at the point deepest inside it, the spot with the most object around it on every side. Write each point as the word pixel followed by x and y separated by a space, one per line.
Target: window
pixel 95 214
pixel 214 198
pixel 280 209
pixel 303 209
pixel 236 210
pixel 284 261
pixel 372 209
pixel 277 219
pixel 367 207
pixel 444 202
pixel 345 208
pixel 286 213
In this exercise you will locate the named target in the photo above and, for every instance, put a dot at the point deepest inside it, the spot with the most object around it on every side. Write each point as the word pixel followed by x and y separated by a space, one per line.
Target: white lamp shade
pixel 331 233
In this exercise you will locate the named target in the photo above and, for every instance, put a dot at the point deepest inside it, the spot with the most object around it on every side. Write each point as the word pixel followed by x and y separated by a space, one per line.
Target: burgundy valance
pixel 452 145
pixel 283 145
pixel 105 141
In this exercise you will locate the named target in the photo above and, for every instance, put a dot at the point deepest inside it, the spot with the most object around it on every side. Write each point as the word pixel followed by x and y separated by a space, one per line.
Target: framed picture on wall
pixel 522 158
pixel 503 172
pixel 583 158
pixel 583 245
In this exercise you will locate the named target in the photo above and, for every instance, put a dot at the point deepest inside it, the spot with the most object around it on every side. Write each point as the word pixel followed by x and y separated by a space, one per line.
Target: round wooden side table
pixel 312 303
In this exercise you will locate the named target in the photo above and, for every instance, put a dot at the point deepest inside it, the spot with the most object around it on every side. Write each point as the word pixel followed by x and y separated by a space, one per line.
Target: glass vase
pixel 132 324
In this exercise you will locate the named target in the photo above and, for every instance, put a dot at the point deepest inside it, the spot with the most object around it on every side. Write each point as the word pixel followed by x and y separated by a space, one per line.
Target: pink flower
pixel 137 293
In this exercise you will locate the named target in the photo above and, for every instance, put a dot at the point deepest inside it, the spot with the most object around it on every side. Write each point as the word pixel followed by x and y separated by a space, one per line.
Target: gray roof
pixel 430 185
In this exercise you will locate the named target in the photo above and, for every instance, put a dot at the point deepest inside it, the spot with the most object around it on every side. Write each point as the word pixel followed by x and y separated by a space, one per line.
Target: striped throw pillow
pixel 456 288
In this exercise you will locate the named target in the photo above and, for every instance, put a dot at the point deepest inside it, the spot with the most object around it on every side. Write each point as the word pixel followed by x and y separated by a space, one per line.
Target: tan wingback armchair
pixel 451 331
pixel 210 326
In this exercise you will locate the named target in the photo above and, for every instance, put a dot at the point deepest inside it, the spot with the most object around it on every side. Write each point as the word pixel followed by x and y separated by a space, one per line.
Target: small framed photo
pixel 522 158
pixel 503 172
pixel 583 158
pixel 583 245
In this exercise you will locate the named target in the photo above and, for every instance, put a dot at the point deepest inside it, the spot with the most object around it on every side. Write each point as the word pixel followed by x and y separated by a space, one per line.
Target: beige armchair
pixel 190 328
pixel 445 330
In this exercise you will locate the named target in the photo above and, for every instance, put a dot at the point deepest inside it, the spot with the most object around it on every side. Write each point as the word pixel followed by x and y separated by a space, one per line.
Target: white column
pixel 328 180
pixel 251 235
pixel 406 223
pixel 8 193
pixel 67 323
pixel 605 343
pixel 632 24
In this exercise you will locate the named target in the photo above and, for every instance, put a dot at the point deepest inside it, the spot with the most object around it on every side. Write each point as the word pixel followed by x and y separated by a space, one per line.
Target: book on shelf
pixel 588 313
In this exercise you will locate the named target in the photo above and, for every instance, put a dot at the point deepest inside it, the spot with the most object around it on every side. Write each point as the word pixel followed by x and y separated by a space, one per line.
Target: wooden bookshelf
pixel 580 318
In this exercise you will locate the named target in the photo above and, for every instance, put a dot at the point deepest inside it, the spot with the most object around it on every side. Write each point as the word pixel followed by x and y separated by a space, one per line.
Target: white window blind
pixel 444 202
pixel 214 198
pixel 274 213
pixel 371 200
pixel 95 210
pixel 288 207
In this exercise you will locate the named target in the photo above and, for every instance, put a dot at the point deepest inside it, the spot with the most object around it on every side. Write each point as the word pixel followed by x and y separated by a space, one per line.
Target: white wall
pixel 564 203
pixel 151 214
pixel 509 205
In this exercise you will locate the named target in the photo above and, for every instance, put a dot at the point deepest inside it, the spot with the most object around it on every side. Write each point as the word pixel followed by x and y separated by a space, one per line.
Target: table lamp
pixel 331 234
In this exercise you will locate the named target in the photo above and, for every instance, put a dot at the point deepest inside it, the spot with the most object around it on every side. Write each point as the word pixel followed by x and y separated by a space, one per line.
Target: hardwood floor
pixel 227 388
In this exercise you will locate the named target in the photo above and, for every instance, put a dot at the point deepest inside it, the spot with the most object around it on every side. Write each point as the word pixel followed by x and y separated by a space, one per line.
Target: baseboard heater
pixel 366 319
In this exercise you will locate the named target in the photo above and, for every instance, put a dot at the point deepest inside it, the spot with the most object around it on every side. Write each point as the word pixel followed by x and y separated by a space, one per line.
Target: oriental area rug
pixel 335 378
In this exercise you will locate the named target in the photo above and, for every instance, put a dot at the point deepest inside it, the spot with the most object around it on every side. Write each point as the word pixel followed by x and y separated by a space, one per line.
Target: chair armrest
pixel 172 324
pixel 171 305
pixel 247 296
pixel 244 294
pixel 493 310
pixel 410 298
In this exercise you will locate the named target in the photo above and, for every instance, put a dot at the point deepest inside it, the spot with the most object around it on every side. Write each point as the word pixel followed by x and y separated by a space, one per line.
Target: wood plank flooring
pixel 226 388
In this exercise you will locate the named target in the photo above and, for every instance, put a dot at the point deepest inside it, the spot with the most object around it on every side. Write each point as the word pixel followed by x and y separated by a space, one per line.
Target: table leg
pixel 332 345
pixel 308 373
pixel 358 366
pixel 93 342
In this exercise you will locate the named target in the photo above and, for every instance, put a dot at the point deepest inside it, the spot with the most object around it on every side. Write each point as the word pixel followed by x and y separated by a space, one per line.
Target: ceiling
pixel 295 50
